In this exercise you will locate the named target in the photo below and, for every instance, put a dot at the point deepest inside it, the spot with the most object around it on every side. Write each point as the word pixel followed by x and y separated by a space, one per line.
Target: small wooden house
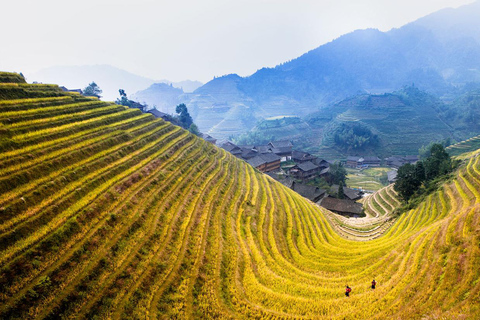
pixel 304 171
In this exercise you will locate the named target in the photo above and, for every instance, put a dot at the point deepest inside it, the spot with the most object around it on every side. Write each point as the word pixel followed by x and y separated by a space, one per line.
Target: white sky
pixel 187 39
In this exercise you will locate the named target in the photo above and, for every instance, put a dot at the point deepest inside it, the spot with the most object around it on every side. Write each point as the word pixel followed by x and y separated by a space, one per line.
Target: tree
pixel 438 163
pixel 123 98
pixel 92 90
pixel 341 193
pixel 184 117
pixel 338 172
pixel 124 101
pixel 194 129
pixel 407 183
pixel 420 171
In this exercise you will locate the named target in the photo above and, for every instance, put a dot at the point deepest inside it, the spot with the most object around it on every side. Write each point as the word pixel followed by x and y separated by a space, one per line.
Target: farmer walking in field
pixel 347 291
pixel 374 283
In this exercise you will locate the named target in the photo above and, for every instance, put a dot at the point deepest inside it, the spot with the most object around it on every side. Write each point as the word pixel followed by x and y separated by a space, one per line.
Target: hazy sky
pixel 187 39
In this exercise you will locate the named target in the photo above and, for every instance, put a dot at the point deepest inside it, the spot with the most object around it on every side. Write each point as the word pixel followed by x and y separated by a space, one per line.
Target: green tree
pixel 194 129
pixel 123 98
pixel 183 116
pixel 407 183
pixel 92 90
pixel 339 173
pixel 438 163
pixel 420 171
pixel 341 193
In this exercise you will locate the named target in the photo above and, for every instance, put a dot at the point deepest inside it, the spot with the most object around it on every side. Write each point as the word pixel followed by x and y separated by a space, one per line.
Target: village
pixel 299 170
pixel 313 177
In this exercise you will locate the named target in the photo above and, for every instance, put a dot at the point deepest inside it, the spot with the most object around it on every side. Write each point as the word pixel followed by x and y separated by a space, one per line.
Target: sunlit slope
pixel 466 146
pixel 111 213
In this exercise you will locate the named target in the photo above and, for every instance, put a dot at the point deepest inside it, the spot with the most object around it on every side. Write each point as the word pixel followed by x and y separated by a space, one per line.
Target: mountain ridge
pixel 363 61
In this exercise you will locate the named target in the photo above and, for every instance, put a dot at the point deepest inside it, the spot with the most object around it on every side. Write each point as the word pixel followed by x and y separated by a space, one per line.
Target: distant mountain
pixel 187 86
pixel 438 53
pixel 108 78
pixel 163 96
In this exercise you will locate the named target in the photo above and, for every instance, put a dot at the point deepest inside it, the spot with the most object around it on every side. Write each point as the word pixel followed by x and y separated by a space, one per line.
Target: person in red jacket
pixel 374 283
pixel 347 291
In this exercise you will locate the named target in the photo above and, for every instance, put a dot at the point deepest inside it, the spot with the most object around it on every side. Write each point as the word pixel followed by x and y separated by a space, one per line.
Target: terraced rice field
pixel 106 212
pixel 468 145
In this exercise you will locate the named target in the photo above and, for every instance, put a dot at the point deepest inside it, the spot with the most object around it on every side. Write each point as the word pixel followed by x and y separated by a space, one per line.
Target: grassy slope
pixel 112 213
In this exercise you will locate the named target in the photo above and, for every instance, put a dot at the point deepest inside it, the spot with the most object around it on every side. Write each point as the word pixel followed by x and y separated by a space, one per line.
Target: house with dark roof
pixel 342 206
pixel 351 194
pixel 71 90
pixel 304 171
pixel 398 161
pixel 287 181
pixel 208 138
pixel 312 193
pixel 321 163
pixel 265 162
pixel 232 148
pixel 369 162
pixel 300 157
pixel 159 114
pixel 262 149
pixel 394 159
pixel 247 153
pixel 352 161
pixel 282 149
pixel 325 174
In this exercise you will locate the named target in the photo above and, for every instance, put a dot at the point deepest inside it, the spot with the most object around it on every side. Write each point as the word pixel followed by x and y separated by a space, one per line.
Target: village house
pixel 363 162
pixel 262 149
pixel 159 114
pixel 71 90
pixel 283 149
pixel 265 162
pixel 398 161
pixel 325 174
pixel 300 157
pixel 232 148
pixel 352 161
pixel 342 206
pixel 312 193
pixel 247 152
pixel 350 193
pixel 369 162
pixel 208 138
pixel 304 171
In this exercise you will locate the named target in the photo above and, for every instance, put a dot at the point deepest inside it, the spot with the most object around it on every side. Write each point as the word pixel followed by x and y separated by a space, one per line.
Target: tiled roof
pixel 341 205
pixel 281 144
pixel 306 166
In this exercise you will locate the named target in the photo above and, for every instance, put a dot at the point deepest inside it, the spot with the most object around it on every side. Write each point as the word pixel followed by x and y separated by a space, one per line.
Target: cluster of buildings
pixel 393 161
pixel 267 159
pixel 398 161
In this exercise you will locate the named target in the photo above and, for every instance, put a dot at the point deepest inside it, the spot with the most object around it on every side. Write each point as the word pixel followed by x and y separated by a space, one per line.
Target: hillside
pixel 109 213
pixel 402 121
pixel 438 53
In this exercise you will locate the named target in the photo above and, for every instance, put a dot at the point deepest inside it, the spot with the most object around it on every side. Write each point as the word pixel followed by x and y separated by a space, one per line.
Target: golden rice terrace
pixel 109 213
